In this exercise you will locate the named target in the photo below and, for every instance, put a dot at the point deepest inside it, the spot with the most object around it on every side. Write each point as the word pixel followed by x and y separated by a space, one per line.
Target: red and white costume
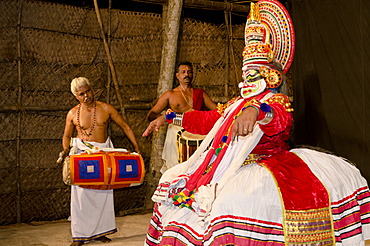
pixel 255 190
pixel 292 197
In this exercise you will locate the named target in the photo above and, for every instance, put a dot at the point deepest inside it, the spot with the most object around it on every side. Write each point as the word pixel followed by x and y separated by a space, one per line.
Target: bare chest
pixel 181 101
pixel 90 118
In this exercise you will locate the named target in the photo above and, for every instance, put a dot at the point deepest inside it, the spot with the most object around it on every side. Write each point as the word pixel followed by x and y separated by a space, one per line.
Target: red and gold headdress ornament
pixel 269 42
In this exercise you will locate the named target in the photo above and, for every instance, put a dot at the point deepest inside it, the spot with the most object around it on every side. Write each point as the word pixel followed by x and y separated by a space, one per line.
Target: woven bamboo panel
pixel 8 207
pixel 8 158
pixel 59 18
pixel 53 77
pixel 60 48
pixel 8 80
pixel 209 75
pixel 132 93
pixel 9 14
pixel 8 126
pixel 138 126
pixel 36 178
pixel 138 73
pixel 9 179
pixel 8 39
pixel 195 28
pixel 132 24
pixel 49 204
pixel 141 48
pixel 41 126
pixel 238 32
pixel 43 147
pixel 8 97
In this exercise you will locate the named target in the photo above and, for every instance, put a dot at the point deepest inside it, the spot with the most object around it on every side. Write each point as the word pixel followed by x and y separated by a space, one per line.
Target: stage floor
pixel 131 232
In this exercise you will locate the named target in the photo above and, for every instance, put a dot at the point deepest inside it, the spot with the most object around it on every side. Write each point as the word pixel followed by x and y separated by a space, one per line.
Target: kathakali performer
pixel 245 185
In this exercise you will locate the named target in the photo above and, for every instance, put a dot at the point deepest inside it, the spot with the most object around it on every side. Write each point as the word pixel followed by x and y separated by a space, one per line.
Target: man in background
pixel 181 99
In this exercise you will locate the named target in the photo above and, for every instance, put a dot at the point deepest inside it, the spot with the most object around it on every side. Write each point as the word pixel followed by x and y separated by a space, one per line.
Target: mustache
pixel 86 99
pixel 187 77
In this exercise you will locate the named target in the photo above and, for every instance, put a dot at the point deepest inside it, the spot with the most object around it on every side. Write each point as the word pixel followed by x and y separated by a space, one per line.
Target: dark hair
pixel 184 63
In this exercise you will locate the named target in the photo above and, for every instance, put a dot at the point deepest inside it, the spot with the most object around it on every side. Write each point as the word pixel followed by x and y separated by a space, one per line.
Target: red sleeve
pixel 200 122
pixel 281 121
pixel 282 118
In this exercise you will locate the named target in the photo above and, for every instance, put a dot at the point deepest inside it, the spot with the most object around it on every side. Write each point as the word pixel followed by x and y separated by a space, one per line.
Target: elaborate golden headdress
pixel 269 41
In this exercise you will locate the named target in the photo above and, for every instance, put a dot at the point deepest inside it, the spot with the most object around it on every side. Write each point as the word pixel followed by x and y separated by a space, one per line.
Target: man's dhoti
pixel 170 153
pixel 92 211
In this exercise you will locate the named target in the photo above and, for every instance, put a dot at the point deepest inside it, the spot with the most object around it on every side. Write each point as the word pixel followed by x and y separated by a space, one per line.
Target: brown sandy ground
pixel 131 232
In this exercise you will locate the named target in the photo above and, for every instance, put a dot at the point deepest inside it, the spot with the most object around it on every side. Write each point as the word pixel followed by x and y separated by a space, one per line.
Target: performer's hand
pixel 245 122
pixel 154 126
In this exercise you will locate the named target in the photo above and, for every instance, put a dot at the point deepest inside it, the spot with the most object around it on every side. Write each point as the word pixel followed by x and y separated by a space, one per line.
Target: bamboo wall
pixel 43 47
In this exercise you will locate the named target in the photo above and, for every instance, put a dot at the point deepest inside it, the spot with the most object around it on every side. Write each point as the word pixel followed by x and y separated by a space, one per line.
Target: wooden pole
pixel 171 19
pixel 19 119
pixel 109 77
pixel 227 57
pixel 110 60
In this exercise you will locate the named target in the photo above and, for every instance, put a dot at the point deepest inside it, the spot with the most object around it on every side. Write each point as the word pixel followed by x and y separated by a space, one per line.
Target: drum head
pixel 190 136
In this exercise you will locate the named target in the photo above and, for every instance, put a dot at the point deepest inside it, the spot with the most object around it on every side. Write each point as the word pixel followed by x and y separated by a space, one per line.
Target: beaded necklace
pixel 85 134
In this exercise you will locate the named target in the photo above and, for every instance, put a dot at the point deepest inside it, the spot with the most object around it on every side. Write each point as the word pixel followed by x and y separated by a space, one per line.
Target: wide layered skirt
pixel 250 209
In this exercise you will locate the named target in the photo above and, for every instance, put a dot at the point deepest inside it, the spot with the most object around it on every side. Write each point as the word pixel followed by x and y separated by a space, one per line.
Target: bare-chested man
pixel 92 211
pixel 180 99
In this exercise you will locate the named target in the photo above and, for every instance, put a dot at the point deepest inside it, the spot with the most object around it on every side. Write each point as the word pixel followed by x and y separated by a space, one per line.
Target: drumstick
pixel 60 159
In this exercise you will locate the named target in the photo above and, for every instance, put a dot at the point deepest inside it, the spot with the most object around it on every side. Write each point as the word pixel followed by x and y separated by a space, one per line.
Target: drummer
pixel 181 99
pixel 92 211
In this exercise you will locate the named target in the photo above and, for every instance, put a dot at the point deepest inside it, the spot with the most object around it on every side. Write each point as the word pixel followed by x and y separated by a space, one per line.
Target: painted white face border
pixel 253 84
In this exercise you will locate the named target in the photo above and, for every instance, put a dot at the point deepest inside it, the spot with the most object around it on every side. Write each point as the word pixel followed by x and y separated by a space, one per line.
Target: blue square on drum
pixel 89 169
pixel 128 169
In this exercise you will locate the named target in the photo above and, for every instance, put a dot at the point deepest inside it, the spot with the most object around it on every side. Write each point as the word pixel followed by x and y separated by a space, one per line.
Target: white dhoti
pixel 92 211
pixel 170 153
